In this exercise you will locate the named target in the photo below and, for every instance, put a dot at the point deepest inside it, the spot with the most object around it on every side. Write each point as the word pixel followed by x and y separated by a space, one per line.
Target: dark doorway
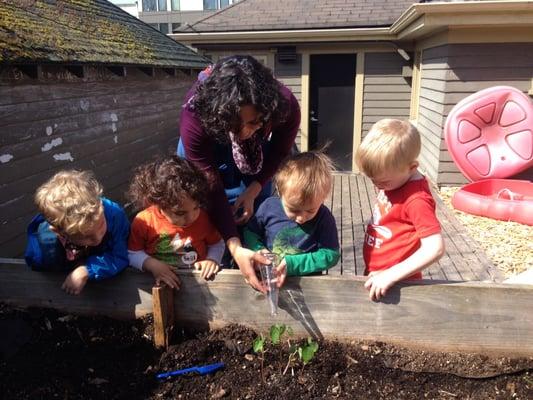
pixel 331 106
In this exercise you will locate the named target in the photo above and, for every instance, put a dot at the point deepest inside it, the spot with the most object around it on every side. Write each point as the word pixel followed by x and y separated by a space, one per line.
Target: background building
pixel 353 62
pixel 170 15
pixel 84 86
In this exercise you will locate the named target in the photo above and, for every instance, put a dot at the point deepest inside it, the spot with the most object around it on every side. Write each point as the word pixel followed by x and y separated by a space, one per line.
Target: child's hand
pixel 162 272
pixel 281 272
pixel 76 280
pixel 208 269
pixel 378 283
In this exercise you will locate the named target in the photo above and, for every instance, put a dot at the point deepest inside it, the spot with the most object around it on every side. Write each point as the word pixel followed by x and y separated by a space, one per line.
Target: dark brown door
pixel 331 108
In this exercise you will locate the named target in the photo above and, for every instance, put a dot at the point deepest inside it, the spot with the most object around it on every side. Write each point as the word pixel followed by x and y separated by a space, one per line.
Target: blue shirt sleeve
pixel 114 258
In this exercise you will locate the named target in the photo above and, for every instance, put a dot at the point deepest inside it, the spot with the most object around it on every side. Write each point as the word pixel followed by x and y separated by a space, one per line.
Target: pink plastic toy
pixel 503 199
pixel 490 135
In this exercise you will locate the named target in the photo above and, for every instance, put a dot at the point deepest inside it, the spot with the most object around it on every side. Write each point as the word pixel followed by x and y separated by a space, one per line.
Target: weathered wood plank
pixel 478 317
pixel 163 310
pixel 471 250
pixel 337 214
pixel 125 296
pixel 347 241
pixel 358 225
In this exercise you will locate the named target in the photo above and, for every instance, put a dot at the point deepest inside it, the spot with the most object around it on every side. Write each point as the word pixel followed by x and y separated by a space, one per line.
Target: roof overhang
pixel 421 20
pixel 284 36
pixel 418 21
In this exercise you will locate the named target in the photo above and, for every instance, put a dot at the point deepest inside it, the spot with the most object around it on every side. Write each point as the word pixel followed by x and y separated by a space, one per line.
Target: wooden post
pixel 163 301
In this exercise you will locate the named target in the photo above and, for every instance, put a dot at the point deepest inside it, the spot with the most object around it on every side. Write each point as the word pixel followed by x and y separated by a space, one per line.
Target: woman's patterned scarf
pixel 248 154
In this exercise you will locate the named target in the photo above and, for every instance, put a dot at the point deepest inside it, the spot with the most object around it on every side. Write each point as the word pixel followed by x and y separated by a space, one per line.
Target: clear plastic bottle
pixel 270 281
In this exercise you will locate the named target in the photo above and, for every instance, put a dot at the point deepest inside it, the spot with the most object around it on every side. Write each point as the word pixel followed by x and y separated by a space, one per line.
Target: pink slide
pixel 490 136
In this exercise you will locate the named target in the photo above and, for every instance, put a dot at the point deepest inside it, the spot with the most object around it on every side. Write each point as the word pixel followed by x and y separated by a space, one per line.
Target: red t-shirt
pixel 153 233
pixel 401 217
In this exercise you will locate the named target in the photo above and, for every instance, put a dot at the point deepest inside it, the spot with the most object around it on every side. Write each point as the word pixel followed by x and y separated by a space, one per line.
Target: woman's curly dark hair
pixel 236 81
pixel 165 182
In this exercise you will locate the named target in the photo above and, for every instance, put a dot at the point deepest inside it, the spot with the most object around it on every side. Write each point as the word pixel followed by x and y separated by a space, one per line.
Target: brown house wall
pixel 451 73
pixel 108 125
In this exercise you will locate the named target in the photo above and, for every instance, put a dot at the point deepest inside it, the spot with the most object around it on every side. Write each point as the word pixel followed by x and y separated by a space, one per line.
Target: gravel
pixel 509 245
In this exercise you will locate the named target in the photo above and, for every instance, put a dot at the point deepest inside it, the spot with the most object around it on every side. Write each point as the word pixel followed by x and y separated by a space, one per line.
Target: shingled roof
pixel 256 15
pixel 85 31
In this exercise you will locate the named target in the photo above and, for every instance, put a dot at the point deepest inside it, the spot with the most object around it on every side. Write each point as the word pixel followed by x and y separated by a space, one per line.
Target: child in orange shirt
pixel 174 230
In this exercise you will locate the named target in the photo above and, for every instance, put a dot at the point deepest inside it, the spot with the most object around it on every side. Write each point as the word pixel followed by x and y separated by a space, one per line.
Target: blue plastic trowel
pixel 203 370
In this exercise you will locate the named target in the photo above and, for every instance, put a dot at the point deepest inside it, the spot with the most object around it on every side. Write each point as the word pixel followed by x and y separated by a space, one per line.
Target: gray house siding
pixel 387 93
pixel 452 72
pixel 430 121
pixel 104 123
pixel 291 76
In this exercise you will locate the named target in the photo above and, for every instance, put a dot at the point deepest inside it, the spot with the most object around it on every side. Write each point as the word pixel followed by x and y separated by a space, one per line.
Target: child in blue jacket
pixel 77 230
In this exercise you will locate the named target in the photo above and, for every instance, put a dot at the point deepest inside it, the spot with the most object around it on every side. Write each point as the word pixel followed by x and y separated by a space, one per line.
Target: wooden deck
pixel 351 202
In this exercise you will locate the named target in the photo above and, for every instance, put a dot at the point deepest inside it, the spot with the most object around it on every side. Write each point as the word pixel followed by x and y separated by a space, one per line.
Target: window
pixel 155 5
pixel 175 26
pixel 163 27
pixel 149 5
pixel 210 4
pixel 174 6
pixel 216 4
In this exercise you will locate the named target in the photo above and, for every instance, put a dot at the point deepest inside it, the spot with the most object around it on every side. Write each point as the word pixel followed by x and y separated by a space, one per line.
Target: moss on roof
pixel 85 31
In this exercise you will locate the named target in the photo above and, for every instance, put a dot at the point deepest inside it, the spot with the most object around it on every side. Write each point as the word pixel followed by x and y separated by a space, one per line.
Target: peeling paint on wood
pixel 4 158
pixel 63 156
pixel 50 145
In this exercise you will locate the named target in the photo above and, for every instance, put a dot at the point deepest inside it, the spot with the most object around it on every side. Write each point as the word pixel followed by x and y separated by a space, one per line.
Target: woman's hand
pixel 246 202
pixel 281 269
pixel 248 262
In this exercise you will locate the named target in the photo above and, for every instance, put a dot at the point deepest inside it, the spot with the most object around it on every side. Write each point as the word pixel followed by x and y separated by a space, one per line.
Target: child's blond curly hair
pixel 391 144
pixel 70 201
pixel 306 176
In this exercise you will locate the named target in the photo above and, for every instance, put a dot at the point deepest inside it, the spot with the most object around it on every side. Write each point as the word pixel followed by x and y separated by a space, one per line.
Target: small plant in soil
pixel 307 351
pixel 258 347
pixel 304 352
pixel 277 331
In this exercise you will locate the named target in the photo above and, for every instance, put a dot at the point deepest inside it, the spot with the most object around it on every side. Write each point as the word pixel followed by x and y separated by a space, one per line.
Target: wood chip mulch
pixel 509 245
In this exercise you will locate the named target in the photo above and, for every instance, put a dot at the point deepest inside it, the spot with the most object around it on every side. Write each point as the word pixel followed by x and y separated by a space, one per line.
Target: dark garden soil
pixel 49 355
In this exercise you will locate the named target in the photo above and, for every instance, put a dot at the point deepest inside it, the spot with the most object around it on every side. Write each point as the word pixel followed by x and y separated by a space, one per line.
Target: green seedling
pixel 258 346
pixel 276 335
pixel 307 351
pixel 276 332
pixel 304 352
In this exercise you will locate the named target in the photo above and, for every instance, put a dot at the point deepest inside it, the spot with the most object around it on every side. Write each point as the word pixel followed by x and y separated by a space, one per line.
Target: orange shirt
pixel 153 233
